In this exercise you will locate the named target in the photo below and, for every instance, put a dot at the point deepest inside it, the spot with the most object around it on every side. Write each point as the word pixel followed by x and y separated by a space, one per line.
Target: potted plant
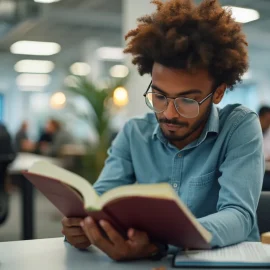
pixel 99 98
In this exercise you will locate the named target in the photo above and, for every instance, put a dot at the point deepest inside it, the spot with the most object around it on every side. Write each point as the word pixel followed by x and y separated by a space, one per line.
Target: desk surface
pixel 24 161
pixel 55 254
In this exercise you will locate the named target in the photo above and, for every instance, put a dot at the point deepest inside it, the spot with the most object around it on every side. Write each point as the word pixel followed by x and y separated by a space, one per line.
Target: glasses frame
pixel 167 98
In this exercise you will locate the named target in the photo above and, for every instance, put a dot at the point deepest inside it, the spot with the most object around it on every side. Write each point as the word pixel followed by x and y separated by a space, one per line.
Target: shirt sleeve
pixel 118 169
pixel 240 185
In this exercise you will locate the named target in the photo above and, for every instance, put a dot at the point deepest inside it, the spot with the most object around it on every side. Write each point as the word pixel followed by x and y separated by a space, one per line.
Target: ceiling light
pixel 119 71
pixel 34 66
pixel 110 53
pixel 46 1
pixel 58 100
pixel 35 48
pixel 71 81
pixel 80 69
pixel 33 80
pixel 243 15
pixel 120 96
pixel 31 89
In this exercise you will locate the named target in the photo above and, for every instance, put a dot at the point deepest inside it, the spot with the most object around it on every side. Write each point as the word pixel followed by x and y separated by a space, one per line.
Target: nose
pixel 171 112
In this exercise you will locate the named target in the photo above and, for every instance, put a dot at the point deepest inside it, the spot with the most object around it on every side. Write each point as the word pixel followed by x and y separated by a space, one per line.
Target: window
pixel 245 94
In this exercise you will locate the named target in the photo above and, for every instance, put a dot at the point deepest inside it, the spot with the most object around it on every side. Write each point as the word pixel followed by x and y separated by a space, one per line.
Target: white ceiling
pixel 70 22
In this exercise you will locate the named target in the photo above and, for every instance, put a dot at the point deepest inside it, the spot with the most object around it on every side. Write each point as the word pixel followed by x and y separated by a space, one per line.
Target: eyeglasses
pixel 186 107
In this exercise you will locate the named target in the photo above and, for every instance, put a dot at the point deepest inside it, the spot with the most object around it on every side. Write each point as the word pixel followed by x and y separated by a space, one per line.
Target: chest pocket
pixel 203 194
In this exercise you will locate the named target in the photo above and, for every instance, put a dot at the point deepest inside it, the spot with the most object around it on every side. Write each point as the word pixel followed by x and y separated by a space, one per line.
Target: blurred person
pixel 264 115
pixel 53 139
pixel 7 155
pixel 45 138
pixel 212 157
pixel 22 142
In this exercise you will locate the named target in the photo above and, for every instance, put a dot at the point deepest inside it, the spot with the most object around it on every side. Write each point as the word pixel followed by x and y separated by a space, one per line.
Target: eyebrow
pixel 188 92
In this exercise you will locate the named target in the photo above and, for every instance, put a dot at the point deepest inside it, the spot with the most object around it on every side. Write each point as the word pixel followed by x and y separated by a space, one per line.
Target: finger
pixel 81 242
pixel 95 236
pixel 71 222
pixel 73 231
pixel 75 240
pixel 83 245
pixel 113 235
pixel 139 237
pixel 160 268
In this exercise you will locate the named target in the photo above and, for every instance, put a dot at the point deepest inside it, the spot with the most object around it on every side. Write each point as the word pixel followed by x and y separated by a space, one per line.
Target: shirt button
pixel 179 155
pixel 175 185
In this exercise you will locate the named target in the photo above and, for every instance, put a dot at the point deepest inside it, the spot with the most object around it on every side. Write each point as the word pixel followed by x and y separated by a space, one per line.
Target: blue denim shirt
pixel 218 176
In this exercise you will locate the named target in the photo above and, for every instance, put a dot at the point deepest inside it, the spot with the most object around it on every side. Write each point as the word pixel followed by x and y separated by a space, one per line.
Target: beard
pixel 173 136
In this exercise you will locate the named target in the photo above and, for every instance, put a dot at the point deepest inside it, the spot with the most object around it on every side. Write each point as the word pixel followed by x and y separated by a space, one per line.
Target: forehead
pixel 175 80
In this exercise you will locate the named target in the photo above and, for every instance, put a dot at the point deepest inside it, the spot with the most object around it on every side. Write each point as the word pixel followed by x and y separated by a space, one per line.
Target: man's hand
pixel 74 233
pixel 116 247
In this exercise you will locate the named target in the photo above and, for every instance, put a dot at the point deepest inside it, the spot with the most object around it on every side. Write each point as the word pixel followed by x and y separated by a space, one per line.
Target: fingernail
pixel 89 220
pixel 102 223
pixel 131 232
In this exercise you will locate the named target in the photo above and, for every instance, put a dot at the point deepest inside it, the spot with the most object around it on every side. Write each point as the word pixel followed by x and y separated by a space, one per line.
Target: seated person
pixel 22 142
pixel 264 114
pixel 212 157
pixel 53 139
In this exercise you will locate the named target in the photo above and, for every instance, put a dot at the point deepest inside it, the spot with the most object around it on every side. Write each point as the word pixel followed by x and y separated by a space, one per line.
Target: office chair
pixel 263 212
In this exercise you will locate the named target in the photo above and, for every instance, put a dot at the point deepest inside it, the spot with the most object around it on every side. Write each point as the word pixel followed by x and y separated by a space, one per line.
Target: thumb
pixel 137 236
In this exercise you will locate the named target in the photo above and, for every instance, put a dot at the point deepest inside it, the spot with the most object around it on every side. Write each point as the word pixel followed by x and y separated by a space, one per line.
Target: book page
pixel 247 252
pixel 46 169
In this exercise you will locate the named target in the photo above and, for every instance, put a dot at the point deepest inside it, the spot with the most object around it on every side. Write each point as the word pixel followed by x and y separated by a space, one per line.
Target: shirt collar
pixel 212 126
pixel 213 121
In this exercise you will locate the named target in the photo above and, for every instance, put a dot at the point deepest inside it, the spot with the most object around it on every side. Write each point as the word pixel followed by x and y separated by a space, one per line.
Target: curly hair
pixel 183 35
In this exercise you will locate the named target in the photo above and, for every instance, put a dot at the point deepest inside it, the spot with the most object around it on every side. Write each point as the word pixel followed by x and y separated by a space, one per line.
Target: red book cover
pixel 162 219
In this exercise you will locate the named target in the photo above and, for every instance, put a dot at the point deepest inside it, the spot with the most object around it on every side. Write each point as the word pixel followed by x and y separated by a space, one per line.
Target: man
pixel 22 142
pixel 264 115
pixel 212 157
pixel 53 139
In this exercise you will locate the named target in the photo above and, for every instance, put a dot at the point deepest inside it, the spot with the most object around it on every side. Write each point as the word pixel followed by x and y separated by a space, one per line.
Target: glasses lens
pixel 156 102
pixel 186 107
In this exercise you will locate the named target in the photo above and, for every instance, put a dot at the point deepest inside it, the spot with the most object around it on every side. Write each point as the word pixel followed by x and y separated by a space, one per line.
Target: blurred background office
pixel 66 88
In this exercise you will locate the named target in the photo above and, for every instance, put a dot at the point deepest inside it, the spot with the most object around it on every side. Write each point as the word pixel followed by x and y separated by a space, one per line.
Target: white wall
pixel 137 84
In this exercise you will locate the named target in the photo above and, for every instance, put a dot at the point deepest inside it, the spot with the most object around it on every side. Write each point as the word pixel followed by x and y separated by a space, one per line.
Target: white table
pixel 54 254
pixel 24 161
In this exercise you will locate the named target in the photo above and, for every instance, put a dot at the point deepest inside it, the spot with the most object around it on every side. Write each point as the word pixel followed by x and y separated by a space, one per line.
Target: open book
pixel 243 255
pixel 152 208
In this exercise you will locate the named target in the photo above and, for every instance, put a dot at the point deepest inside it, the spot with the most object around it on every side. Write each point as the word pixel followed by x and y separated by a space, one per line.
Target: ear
pixel 219 93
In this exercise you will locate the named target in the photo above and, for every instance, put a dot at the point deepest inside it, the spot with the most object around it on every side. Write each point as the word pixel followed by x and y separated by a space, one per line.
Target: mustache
pixel 172 122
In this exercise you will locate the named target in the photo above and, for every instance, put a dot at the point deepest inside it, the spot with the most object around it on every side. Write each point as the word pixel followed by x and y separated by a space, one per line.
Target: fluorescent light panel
pixel 80 69
pixel 243 15
pixel 119 71
pixel 46 1
pixel 70 81
pixel 34 66
pixel 33 80
pixel 110 53
pixel 35 48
